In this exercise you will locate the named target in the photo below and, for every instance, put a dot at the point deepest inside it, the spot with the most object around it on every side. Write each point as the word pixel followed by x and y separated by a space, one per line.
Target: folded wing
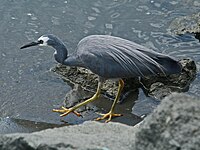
pixel 112 57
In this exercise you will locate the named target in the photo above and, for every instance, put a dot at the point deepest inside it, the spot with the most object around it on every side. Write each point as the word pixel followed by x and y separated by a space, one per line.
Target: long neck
pixel 61 52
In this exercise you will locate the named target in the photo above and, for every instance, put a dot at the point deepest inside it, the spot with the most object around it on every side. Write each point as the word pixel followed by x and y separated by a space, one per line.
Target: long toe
pixel 108 115
pixel 65 111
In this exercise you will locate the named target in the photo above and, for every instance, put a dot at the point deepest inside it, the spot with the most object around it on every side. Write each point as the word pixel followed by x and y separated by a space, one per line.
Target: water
pixel 29 90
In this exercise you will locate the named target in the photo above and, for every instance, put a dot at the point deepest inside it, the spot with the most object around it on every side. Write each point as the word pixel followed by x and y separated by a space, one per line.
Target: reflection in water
pixel 30 91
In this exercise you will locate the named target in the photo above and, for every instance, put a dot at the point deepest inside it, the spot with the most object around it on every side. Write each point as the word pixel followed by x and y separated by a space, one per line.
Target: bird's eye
pixel 40 41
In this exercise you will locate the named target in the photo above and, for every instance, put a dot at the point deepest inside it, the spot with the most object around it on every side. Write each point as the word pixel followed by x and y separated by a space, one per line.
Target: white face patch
pixel 44 39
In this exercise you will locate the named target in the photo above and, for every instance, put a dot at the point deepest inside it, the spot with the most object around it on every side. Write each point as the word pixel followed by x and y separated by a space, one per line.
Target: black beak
pixel 30 44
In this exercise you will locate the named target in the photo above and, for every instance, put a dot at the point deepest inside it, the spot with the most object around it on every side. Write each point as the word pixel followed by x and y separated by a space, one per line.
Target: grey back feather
pixel 114 57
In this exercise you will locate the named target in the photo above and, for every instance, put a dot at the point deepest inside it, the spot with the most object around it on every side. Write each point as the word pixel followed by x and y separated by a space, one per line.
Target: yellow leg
pixel 110 114
pixel 66 111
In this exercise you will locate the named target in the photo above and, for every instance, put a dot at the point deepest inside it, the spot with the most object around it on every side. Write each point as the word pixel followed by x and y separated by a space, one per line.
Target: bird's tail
pixel 169 65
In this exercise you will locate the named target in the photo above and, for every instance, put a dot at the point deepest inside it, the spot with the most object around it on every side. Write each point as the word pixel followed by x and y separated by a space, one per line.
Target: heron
pixel 109 57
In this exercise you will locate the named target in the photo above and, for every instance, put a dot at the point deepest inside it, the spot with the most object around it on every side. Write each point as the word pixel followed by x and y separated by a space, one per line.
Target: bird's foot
pixel 65 111
pixel 108 115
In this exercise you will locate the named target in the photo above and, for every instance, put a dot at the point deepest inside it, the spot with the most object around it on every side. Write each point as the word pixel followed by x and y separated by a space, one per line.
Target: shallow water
pixel 29 90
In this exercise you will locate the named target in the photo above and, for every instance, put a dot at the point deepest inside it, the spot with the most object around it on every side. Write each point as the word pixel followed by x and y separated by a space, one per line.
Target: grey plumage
pixel 114 57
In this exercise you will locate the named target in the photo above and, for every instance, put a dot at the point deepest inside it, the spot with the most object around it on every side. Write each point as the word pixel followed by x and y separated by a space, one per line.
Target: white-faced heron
pixel 110 58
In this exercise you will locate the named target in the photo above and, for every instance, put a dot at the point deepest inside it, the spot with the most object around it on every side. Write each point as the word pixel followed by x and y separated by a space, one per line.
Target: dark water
pixel 29 90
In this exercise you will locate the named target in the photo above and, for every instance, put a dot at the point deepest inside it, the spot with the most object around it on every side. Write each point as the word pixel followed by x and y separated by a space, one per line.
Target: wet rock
pixel 173 125
pixel 162 85
pixel 186 24
pixel 77 95
pixel 157 87
pixel 159 90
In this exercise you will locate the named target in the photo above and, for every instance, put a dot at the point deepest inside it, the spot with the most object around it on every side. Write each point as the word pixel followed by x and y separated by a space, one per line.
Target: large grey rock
pixel 174 125
pixel 90 135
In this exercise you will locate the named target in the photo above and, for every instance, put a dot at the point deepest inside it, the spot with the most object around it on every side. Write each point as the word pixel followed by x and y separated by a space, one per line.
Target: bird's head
pixel 44 40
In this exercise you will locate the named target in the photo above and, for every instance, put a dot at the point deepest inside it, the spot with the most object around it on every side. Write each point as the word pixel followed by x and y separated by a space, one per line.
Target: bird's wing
pixel 117 58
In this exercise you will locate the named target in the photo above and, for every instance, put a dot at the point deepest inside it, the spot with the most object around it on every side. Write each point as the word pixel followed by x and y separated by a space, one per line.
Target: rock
pixel 76 95
pixel 89 135
pixel 161 86
pixel 186 24
pixel 174 125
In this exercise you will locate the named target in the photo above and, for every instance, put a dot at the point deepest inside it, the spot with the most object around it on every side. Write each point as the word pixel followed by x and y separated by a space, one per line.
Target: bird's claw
pixel 65 111
pixel 108 115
